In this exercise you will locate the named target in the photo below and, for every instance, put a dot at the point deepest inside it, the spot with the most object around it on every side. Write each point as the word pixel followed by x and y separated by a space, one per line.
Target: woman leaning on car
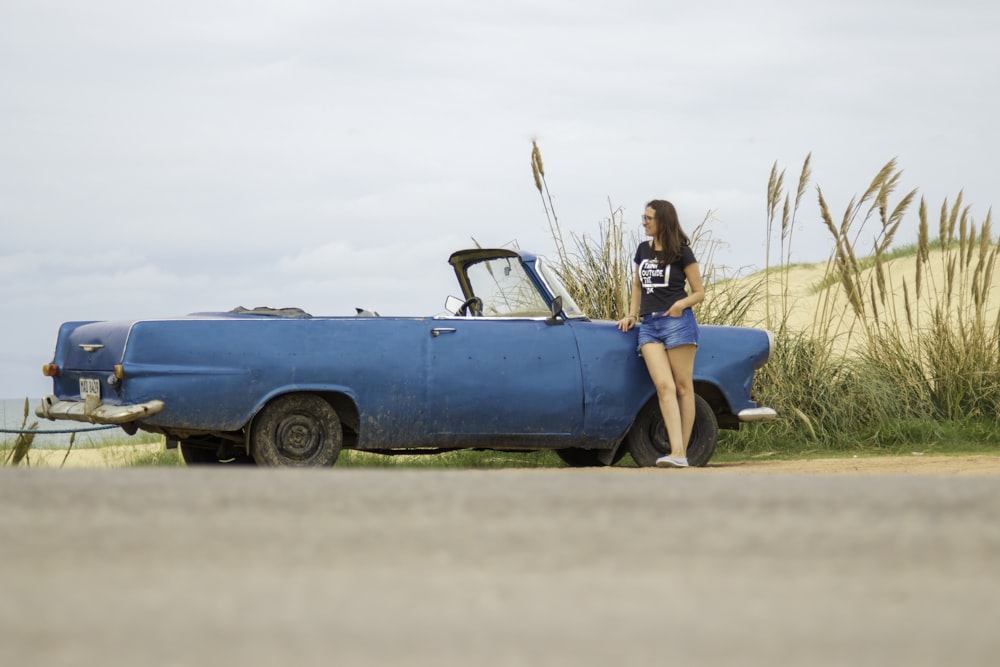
pixel 668 333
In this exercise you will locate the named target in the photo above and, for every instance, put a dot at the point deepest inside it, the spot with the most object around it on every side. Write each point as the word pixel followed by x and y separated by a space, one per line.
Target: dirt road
pixel 539 567
pixel 915 463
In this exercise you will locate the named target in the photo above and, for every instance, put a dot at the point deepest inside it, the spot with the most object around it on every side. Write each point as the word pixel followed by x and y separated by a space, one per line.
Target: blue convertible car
pixel 512 365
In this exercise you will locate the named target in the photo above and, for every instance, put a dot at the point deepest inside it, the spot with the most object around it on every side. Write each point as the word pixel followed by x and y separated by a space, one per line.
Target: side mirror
pixel 452 304
pixel 555 310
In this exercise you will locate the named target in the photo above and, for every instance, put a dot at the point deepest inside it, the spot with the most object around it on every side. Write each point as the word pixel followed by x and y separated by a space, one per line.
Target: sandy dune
pixel 795 294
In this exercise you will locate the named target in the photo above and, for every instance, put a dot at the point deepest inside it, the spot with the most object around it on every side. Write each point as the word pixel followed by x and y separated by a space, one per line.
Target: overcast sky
pixel 160 158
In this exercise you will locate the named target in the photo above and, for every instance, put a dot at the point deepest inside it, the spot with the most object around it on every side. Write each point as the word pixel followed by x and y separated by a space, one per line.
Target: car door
pixel 503 377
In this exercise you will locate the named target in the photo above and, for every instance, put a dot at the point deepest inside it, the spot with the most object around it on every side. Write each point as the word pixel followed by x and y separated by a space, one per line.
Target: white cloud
pixel 166 157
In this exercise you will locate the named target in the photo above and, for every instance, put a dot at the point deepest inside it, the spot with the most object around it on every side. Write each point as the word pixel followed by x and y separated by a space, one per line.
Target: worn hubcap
pixel 299 437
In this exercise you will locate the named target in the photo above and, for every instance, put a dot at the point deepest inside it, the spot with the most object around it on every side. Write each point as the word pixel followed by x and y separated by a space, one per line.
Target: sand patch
pixel 114 456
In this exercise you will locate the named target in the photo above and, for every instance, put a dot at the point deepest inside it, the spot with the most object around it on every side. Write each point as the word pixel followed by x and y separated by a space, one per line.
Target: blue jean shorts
pixel 670 331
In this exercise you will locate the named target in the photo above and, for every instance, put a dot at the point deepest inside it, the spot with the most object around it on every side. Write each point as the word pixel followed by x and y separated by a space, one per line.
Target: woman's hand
pixel 626 323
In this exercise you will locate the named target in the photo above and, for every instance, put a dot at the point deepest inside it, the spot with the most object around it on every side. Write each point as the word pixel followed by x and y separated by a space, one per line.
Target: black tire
pixel 647 440
pixel 200 454
pixel 296 430
pixel 575 457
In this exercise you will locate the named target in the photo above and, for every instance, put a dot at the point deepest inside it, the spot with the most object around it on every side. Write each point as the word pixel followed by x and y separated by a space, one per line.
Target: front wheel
pixel 647 440
pixel 296 430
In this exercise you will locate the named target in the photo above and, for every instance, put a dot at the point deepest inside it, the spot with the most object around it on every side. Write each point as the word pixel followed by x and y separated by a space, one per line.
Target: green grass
pixel 890 438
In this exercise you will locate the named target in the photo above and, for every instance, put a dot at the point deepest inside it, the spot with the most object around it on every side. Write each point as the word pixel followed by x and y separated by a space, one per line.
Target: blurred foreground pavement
pixel 238 565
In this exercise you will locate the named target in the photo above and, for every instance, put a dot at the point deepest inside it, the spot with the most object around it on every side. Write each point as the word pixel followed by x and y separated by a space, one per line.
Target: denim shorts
pixel 670 331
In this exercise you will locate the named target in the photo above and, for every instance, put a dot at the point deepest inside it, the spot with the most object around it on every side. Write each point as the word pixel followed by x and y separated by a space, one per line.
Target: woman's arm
pixel 632 316
pixel 695 296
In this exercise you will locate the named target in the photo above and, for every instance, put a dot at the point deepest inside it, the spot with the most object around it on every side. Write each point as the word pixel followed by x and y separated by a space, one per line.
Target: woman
pixel 668 335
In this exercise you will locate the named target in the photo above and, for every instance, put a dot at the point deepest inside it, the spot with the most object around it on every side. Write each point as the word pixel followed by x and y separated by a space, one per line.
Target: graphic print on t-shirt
pixel 652 275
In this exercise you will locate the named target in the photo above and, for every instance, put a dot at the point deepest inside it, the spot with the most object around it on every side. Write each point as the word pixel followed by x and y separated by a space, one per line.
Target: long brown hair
pixel 669 235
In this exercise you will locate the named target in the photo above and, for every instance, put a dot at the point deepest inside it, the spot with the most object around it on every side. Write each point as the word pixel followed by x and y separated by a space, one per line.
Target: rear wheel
pixel 296 430
pixel 647 441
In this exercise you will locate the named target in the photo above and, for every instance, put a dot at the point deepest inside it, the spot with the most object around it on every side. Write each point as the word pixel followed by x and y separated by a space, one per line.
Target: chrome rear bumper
pixel 95 412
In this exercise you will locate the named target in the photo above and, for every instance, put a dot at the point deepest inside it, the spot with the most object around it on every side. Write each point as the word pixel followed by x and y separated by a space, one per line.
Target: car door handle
pixel 437 331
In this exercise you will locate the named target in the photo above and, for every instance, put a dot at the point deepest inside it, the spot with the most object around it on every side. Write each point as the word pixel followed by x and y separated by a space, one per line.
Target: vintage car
pixel 512 365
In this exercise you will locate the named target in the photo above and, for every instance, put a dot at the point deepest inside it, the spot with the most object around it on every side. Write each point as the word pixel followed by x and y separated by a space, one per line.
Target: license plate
pixel 90 387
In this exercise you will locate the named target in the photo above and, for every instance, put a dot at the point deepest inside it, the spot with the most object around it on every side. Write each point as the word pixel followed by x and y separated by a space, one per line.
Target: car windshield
pixel 505 288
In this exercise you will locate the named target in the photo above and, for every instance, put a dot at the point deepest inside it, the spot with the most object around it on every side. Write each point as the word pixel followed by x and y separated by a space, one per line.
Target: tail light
pixel 50 370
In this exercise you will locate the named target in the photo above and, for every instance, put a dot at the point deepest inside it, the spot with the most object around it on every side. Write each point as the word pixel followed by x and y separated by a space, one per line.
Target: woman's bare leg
pixel 682 369
pixel 662 374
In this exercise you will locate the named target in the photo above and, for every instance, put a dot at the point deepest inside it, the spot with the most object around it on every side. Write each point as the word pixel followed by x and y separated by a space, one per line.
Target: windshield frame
pixel 555 286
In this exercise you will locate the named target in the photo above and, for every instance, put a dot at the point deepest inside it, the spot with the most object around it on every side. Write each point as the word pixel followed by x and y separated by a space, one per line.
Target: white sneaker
pixel 672 462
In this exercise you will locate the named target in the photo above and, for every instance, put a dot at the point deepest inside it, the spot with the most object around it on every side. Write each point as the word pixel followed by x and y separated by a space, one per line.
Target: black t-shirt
pixel 661 287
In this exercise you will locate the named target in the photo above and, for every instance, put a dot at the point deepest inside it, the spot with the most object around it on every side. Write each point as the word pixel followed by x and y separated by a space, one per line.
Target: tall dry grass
pixel 935 336
pixel 877 355
pixel 23 442
pixel 598 269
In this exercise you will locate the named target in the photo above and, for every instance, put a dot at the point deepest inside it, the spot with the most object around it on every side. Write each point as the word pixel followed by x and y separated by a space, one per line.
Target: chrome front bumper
pixel 95 412
pixel 757 415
